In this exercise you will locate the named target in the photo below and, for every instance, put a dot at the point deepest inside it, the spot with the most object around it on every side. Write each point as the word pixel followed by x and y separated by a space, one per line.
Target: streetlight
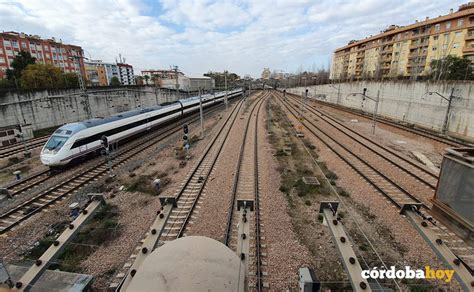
pixel 449 100
pixel 364 96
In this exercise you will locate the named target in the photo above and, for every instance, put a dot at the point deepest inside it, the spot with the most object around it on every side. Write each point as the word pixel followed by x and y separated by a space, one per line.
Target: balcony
pixel 469 36
pixel 468 49
pixel 412 55
pixel 418 45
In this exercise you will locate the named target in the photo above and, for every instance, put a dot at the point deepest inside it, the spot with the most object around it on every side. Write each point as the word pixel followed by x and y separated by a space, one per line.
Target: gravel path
pixel 285 253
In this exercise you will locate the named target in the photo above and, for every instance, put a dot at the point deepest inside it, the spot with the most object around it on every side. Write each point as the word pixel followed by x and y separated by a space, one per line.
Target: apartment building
pixel 100 73
pixel 407 51
pixel 126 75
pixel 69 58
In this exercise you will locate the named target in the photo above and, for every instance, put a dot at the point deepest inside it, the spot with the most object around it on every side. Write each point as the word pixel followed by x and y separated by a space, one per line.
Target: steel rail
pixel 360 172
pixel 15 215
pixel 409 172
pixel 448 141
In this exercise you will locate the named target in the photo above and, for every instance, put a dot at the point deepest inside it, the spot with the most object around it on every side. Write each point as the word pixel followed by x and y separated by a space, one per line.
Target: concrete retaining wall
pixel 49 108
pixel 407 101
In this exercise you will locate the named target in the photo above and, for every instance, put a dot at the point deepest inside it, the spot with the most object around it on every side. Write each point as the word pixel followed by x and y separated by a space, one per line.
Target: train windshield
pixel 55 143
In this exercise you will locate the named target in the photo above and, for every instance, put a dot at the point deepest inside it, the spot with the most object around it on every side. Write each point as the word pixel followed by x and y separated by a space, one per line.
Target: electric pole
pixel 225 82
pixel 82 86
pixel 201 114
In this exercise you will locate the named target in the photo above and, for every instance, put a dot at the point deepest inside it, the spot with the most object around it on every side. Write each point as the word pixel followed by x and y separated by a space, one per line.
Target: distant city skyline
pixel 240 36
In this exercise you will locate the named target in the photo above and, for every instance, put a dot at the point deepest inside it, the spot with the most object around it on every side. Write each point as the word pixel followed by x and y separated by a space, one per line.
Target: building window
pixel 457 34
pixel 437 26
pixel 460 22
pixel 2 60
pixel 448 25
pixel 455 45
pixel 446 37
pixel 23 45
pixel 435 37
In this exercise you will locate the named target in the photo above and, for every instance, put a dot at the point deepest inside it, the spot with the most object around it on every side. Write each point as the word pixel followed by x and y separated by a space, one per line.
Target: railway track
pixel 366 164
pixel 187 197
pixel 245 190
pixel 406 165
pixel 392 191
pixel 34 181
pixel 82 177
pixel 17 148
pixel 412 129
pixel 184 201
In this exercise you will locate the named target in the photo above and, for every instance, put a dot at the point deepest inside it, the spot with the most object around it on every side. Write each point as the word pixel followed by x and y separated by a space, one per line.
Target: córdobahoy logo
pixel 408 273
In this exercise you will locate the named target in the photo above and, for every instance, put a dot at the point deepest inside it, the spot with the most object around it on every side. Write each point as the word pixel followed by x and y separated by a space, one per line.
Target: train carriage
pixel 76 140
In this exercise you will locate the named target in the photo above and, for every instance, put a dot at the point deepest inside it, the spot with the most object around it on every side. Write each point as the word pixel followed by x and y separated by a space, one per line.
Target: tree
pixel 451 68
pixel 114 81
pixel 46 76
pixel 219 78
pixel 70 80
pixel 139 80
pixel 146 79
pixel 7 84
pixel 40 76
pixel 19 63
pixel 155 79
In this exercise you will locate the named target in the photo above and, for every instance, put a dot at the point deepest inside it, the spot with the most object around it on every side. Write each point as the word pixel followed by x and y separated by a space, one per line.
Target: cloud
pixel 241 36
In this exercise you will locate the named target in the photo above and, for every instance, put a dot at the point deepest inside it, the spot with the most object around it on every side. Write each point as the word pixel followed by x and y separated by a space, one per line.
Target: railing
pixel 467 49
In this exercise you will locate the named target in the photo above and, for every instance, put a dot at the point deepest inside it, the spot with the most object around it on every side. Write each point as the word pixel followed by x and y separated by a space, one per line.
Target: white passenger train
pixel 75 140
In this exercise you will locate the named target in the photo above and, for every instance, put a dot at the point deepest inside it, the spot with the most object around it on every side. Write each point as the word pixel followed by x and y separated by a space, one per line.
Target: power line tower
pixel 82 86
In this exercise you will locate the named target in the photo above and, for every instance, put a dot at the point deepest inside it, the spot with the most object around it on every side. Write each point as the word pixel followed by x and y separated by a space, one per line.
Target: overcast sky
pixel 198 36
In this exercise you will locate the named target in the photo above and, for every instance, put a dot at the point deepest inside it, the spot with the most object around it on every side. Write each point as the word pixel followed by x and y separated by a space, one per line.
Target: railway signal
pixel 186 139
pixel 104 141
